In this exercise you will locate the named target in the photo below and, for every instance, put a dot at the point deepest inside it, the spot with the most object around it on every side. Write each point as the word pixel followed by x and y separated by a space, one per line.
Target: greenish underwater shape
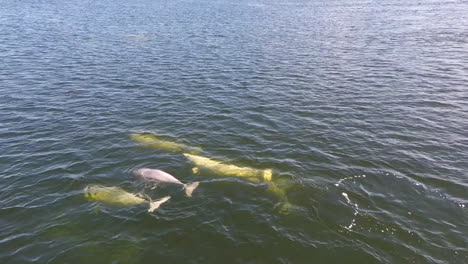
pixel 150 140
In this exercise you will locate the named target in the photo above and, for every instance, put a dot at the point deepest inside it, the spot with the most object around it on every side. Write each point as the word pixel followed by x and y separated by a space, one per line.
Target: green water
pixel 359 108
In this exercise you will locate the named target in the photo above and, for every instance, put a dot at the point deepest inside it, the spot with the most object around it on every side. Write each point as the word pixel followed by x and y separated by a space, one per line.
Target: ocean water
pixel 359 107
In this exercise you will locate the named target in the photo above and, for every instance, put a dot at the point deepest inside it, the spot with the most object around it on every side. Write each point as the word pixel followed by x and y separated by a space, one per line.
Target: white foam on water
pixel 415 183
pixel 355 207
pixel 442 195
pixel 349 178
pixel 345 195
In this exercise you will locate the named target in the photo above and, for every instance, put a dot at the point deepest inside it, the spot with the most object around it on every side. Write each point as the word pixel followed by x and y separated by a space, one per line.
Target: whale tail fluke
pixel 267 174
pixel 190 187
pixel 155 204
pixel 286 208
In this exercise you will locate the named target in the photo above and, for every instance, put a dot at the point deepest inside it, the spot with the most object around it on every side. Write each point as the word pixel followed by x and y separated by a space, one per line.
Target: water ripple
pixel 321 92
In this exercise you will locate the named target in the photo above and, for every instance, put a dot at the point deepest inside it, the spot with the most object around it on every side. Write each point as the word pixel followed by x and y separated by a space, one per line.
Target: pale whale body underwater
pixel 164 177
pixel 251 174
pixel 150 140
pixel 119 197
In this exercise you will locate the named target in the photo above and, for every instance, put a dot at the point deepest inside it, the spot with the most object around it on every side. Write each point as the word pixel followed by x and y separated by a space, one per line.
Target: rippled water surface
pixel 359 107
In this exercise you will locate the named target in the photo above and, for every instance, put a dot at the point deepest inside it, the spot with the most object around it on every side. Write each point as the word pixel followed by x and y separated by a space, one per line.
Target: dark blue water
pixel 360 108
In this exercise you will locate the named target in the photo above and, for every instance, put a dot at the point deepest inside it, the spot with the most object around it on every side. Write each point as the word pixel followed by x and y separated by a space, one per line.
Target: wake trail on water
pixel 356 210
pixel 349 178
pixel 355 206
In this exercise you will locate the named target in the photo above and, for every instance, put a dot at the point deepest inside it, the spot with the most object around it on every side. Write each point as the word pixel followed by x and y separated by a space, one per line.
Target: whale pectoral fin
pixel 285 208
pixel 267 175
pixel 190 187
pixel 155 204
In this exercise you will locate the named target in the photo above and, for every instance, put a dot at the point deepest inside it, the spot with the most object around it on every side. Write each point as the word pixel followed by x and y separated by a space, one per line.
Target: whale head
pixel 139 172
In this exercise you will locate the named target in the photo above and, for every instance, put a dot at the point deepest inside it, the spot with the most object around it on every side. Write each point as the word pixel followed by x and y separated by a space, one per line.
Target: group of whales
pixel 118 196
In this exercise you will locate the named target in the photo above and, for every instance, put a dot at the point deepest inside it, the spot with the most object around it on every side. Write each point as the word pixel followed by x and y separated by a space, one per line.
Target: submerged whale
pixel 161 176
pixel 250 174
pixel 150 140
pixel 284 207
pixel 119 197
pixel 218 167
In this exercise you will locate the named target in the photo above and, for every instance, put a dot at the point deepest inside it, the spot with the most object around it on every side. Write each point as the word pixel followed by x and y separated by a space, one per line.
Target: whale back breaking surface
pixel 112 195
pixel 156 175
